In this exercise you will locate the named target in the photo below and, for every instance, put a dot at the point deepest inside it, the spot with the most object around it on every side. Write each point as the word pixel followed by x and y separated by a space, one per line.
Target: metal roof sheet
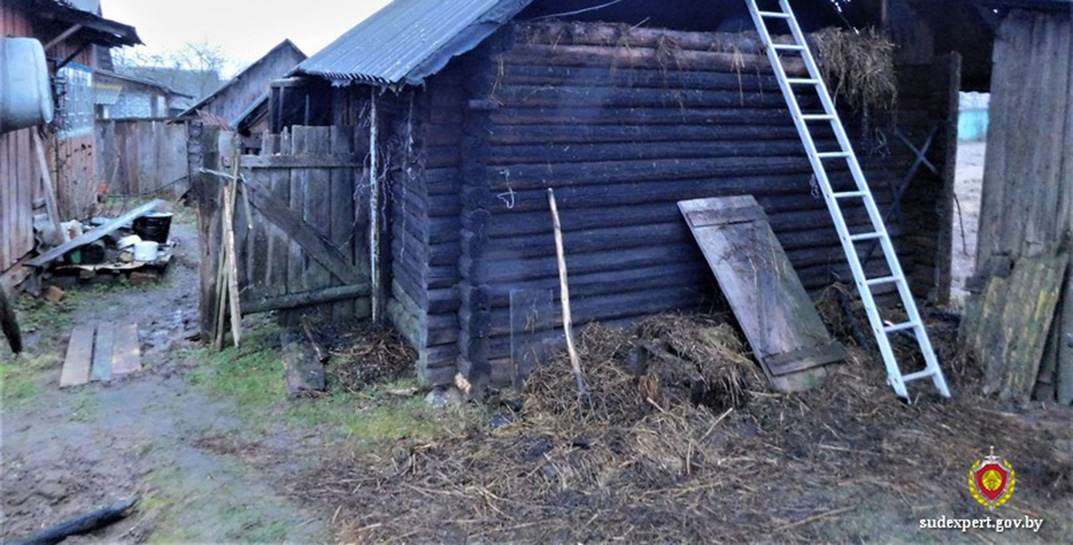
pixel 409 40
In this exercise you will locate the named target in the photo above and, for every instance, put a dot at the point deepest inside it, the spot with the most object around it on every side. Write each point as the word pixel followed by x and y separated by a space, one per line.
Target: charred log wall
pixel 624 124
pixel 423 158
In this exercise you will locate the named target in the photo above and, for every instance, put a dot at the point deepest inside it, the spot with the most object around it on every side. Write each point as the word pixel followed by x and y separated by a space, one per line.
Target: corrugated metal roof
pixel 409 40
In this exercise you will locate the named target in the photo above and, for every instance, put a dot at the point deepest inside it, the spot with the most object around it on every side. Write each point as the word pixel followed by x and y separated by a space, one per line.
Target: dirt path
pixel 202 474
pixel 970 177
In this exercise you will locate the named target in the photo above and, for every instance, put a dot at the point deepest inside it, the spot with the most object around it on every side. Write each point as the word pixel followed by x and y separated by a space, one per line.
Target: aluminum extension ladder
pixel 834 199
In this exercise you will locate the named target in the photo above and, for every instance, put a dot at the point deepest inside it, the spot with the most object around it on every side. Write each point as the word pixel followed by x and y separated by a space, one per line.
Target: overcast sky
pixel 245 29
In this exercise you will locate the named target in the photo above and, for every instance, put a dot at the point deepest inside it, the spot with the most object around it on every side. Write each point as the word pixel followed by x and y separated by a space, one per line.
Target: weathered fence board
pixel 299 243
pixel 142 156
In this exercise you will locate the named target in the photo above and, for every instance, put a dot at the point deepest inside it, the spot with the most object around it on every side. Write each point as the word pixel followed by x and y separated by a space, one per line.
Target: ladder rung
pixel 866 236
pixel 775 14
pixel 849 194
pixel 883 280
pixel 787 47
pixel 900 327
pixel 927 373
pixel 833 154
pixel 818 117
pixel 802 81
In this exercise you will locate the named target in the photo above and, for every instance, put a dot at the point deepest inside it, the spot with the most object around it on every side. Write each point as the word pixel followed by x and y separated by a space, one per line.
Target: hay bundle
pixel 706 354
pixel 858 67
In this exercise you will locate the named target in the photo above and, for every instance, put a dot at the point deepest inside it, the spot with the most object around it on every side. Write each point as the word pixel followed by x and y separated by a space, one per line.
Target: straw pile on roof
pixel 858 67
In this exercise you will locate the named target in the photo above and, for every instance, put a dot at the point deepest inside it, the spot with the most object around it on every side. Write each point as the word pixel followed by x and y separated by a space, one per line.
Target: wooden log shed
pixel 473 110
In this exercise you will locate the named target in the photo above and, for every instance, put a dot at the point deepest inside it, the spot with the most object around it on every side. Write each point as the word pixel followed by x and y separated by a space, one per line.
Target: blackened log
pixel 587 153
pixel 598 308
pixel 525 96
pixel 635 78
pixel 614 35
pixel 574 116
pixel 587 134
pixel 617 58
pixel 81 525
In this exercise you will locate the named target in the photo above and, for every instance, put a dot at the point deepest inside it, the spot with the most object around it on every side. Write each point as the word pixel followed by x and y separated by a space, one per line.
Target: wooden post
pixel 49 190
pixel 564 296
pixel 377 289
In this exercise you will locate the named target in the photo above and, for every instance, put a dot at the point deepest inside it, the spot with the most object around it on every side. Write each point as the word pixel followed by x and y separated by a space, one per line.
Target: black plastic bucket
pixel 153 227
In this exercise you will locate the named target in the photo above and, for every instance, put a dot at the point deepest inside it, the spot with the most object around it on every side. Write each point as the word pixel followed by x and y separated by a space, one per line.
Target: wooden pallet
pixel 101 352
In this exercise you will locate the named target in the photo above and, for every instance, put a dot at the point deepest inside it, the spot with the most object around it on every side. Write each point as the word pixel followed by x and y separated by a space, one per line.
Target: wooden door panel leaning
pixel 774 310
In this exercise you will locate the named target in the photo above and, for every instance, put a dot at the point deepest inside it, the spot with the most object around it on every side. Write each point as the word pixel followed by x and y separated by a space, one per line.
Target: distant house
pixel 124 97
pixel 196 83
pixel 242 102
pixel 73 33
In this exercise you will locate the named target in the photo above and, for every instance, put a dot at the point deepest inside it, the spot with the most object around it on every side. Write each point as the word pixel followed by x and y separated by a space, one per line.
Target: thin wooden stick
pixel 221 279
pixel 564 296
pixel 232 255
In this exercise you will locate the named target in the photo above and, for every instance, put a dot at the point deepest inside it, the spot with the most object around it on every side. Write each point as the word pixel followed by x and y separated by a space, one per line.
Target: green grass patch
pixel 252 376
pixel 18 377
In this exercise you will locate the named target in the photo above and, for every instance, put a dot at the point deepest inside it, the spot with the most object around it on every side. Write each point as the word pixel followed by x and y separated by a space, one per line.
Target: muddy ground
pixel 217 453
pixel 202 473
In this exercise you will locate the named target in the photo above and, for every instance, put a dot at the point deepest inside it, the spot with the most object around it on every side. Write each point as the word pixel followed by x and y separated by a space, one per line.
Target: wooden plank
pixel 94 235
pixel 76 366
pixel 296 257
pixel 306 237
pixel 317 210
pixel 1064 325
pixel 127 353
pixel 254 304
pixel 771 304
pixel 341 201
pixel 314 159
pixel 102 352
pixel 1030 304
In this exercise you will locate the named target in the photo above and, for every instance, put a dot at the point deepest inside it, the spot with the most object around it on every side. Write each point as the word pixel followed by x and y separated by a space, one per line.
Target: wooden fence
pixel 299 226
pixel 142 156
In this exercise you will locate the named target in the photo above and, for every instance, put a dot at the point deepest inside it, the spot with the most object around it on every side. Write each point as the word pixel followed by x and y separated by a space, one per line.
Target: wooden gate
pixel 299 225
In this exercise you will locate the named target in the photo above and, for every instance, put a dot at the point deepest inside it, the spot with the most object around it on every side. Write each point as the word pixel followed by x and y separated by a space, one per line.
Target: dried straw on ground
pixel 364 354
pixel 847 460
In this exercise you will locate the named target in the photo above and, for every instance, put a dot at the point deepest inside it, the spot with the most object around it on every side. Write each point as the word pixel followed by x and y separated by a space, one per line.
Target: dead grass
pixel 789 468
pixel 858 67
pixel 364 354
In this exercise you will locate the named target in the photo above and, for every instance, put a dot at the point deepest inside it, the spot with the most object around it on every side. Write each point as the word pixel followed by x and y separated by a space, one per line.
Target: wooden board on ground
pixel 771 305
pixel 76 365
pixel 127 353
pixel 102 352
